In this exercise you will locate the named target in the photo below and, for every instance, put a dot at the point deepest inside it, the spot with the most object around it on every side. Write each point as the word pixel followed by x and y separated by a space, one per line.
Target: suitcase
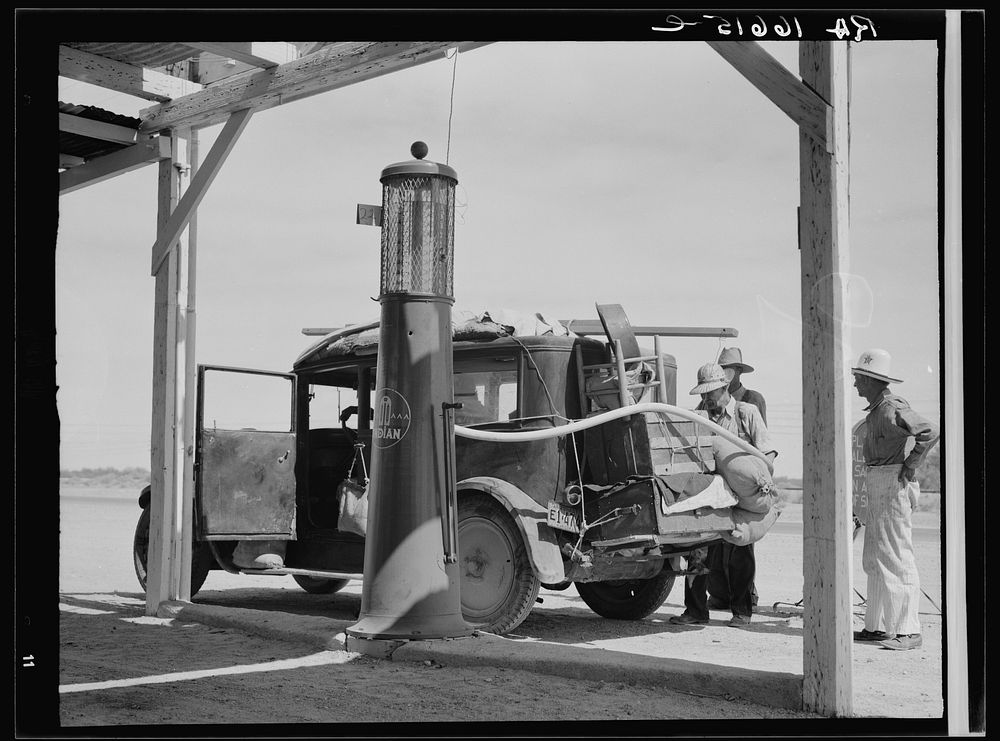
pixel 649 496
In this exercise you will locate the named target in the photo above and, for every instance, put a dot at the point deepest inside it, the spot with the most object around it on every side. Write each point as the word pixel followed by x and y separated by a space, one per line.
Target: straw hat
pixel 733 357
pixel 875 364
pixel 710 377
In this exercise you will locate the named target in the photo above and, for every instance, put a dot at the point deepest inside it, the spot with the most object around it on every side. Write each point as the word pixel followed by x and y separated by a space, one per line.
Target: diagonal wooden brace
pixel 200 183
pixel 804 106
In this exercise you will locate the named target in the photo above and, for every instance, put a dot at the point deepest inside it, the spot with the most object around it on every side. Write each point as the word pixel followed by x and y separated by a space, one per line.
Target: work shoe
pixel 686 618
pixel 739 621
pixel 871 635
pixel 903 642
pixel 714 603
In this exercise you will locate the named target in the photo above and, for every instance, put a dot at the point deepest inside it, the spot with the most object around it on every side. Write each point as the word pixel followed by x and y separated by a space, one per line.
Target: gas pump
pixel 411 576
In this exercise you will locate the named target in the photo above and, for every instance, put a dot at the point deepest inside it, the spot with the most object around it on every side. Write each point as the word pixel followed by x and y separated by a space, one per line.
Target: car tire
pixel 498 586
pixel 201 556
pixel 316 585
pixel 628 599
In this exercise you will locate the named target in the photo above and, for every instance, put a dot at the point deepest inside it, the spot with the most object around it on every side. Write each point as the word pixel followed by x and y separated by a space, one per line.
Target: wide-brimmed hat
pixel 733 356
pixel 875 363
pixel 710 377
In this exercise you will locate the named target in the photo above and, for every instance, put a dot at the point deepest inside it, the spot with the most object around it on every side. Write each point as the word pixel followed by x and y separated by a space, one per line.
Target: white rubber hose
pixel 628 411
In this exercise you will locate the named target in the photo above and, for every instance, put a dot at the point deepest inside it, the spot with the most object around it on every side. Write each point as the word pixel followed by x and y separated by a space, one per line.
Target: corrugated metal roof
pixel 139 54
pixel 84 146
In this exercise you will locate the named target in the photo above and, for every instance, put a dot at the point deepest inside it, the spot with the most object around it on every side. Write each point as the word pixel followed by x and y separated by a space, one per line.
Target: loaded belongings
pixel 750 480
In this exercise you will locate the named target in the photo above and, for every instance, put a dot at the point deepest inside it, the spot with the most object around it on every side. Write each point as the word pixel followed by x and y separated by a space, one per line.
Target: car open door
pixel 245 482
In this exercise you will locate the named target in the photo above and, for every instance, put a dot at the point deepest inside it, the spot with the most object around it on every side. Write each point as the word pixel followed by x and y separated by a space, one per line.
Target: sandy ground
pixel 118 667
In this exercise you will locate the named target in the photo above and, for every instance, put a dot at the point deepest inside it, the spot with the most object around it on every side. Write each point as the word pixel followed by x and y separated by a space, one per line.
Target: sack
pixel 749 527
pixel 353 496
pixel 353 507
pixel 259 554
pixel 747 475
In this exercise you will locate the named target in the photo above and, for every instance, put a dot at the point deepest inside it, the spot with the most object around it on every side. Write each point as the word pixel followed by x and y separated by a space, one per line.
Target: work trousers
pixel 718 584
pixel 737 566
pixel 893 600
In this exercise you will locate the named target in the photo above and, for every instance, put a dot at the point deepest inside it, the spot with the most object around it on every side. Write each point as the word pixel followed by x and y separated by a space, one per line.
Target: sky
pixel 651 175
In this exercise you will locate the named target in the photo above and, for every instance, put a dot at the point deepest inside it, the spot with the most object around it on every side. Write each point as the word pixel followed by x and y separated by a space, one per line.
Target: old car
pixel 592 509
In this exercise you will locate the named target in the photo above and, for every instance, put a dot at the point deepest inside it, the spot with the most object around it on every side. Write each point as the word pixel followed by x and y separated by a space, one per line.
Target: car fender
pixel 532 521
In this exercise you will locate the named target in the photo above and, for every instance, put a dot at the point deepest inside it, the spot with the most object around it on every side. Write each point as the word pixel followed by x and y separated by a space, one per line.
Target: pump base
pixel 410 628
pixel 383 649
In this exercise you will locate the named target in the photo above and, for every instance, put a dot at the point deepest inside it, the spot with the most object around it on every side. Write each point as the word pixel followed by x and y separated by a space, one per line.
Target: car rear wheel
pixel 201 556
pixel 628 599
pixel 498 586
pixel 316 585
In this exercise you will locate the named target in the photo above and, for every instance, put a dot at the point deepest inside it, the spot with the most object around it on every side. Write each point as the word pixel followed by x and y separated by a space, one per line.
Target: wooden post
pixel 955 621
pixel 166 556
pixel 826 485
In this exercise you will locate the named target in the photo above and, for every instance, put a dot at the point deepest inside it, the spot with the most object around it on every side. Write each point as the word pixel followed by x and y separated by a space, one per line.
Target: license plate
pixel 563 518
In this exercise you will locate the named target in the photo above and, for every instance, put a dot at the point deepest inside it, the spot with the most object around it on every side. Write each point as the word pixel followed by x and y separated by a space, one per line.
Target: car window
pixel 486 396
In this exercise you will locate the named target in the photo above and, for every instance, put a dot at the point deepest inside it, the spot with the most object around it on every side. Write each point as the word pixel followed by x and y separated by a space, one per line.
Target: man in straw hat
pixel 891 607
pixel 742 419
pixel 731 360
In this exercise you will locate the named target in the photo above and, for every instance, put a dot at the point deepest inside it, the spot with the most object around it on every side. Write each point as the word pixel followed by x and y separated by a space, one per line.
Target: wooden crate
pixel 647 445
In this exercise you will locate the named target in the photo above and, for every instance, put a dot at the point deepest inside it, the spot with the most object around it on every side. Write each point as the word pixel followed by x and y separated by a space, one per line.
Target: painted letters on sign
pixel 392 418
pixel 858 469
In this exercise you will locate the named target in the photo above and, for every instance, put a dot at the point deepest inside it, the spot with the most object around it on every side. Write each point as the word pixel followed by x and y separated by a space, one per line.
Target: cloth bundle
pixel 749 527
pixel 747 475
pixel 259 554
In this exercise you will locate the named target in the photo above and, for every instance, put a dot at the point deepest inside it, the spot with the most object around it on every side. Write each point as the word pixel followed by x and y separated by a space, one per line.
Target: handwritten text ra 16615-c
pixel 781 28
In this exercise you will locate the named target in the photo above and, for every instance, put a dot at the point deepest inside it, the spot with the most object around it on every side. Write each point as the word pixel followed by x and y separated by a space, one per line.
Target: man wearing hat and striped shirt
pixel 893 601
pixel 719 593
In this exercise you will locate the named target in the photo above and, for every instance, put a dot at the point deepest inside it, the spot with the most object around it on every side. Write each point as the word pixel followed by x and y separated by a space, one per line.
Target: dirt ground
pixel 118 667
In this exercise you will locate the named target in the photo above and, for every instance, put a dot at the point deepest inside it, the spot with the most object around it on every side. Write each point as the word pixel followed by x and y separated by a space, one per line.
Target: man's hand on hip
pixel 907 474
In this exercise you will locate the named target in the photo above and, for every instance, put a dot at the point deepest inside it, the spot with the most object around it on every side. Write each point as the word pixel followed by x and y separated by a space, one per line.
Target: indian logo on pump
pixel 392 418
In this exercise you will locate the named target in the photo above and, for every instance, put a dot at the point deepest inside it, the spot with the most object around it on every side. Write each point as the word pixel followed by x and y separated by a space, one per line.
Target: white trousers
pixel 893 599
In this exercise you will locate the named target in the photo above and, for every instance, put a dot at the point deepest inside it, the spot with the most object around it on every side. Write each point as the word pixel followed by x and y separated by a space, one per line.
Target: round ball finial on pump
pixel 418 150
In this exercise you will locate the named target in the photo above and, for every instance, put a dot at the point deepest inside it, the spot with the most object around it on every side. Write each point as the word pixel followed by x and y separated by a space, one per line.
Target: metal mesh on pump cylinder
pixel 418 241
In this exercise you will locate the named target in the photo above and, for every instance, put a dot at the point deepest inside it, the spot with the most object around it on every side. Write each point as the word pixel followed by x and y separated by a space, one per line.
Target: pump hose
pixel 599 419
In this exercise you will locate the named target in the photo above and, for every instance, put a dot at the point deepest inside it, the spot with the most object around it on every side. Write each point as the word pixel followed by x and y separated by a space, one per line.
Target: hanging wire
pixel 451 103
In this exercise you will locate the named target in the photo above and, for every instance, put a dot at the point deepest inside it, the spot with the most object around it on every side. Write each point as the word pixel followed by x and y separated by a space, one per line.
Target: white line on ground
pixel 318 659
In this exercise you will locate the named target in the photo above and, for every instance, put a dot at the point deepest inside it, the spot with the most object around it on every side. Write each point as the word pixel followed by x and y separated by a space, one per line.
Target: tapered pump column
pixel 411 578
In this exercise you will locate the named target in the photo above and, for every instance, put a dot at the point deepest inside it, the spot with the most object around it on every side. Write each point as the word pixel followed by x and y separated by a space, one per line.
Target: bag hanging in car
pixel 353 496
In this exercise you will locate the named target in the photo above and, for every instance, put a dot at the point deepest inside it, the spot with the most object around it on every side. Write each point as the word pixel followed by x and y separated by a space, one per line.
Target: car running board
pixel 315 573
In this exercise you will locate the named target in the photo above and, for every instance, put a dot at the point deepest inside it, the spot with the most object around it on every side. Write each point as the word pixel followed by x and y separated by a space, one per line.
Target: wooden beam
pixel 594 327
pixel 181 215
pixel 117 163
pixel 141 82
pixel 333 66
pixel 264 54
pixel 826 445
pixel 102 130
pixel 308 47
pixel 803 105
pixel 163 473
pixel 955 610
